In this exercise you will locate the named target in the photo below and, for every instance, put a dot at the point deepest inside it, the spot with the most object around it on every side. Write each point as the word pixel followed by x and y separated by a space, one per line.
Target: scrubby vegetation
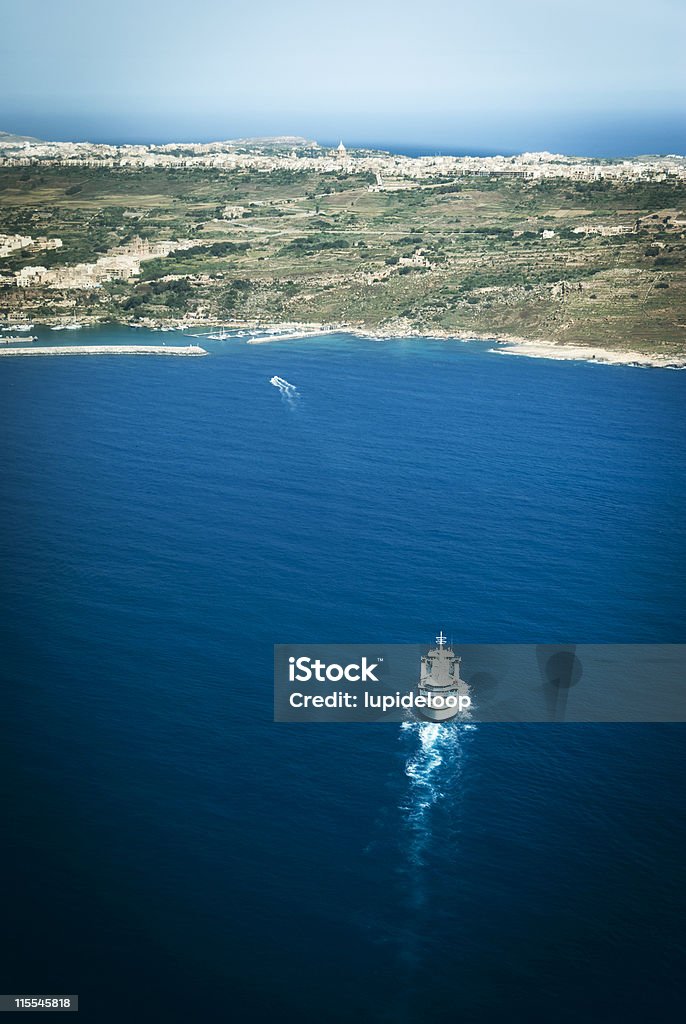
pixel 451 255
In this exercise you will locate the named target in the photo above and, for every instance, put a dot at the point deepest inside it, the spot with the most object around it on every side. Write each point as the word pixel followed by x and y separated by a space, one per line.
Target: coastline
pixel 507 344
pixel 589 354
pixel 535 348
pixel 503 343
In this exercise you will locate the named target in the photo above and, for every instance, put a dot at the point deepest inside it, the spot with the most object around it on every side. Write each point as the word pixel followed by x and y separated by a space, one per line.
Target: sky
pixel 581 76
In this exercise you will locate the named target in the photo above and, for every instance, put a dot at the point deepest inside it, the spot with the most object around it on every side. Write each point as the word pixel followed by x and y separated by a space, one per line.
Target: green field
pixel 310 247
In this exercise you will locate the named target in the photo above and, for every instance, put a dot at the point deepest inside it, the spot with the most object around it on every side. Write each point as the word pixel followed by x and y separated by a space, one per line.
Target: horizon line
pixel 397 150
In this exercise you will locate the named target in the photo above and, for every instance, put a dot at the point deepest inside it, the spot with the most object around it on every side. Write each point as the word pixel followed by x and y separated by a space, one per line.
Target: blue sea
pixel 170 853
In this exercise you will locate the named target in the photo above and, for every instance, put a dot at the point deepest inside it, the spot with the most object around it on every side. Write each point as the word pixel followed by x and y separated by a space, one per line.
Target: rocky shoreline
pixel 505 345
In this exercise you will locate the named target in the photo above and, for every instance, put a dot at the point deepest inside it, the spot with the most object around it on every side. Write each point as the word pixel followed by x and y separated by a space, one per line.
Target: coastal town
pixel 121 263
pixel 299 154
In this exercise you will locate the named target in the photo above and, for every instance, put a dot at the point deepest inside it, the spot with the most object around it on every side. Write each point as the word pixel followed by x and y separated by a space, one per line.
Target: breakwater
pixel 108 350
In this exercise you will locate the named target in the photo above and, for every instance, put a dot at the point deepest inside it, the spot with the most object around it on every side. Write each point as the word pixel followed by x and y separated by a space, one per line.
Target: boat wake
pixel 289 392
pixel 434 769
pixel 422 838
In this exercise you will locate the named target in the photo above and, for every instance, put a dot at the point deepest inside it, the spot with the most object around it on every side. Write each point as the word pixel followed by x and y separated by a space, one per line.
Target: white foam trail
pixel 434 769
pixel 288 390
pixel 435 756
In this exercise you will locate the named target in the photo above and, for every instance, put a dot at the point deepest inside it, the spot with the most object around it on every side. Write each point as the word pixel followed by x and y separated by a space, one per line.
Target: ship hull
pixel 438 714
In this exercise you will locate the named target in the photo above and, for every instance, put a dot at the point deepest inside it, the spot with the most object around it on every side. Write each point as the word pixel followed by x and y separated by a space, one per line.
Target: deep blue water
pixel 171 853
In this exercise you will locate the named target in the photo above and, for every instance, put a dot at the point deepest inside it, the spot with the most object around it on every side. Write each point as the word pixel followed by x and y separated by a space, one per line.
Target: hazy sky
pixel 593 75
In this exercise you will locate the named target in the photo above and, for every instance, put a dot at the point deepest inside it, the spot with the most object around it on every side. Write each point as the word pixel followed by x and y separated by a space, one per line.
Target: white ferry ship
pixel 440 682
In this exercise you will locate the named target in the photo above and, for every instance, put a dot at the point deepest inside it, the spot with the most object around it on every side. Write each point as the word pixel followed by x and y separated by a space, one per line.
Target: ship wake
pixel 424 837
pixel 430 808
pixel 289 392
pixel 434 770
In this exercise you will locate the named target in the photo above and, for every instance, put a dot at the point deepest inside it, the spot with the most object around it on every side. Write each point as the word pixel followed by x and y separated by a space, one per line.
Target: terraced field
pixel 490 256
